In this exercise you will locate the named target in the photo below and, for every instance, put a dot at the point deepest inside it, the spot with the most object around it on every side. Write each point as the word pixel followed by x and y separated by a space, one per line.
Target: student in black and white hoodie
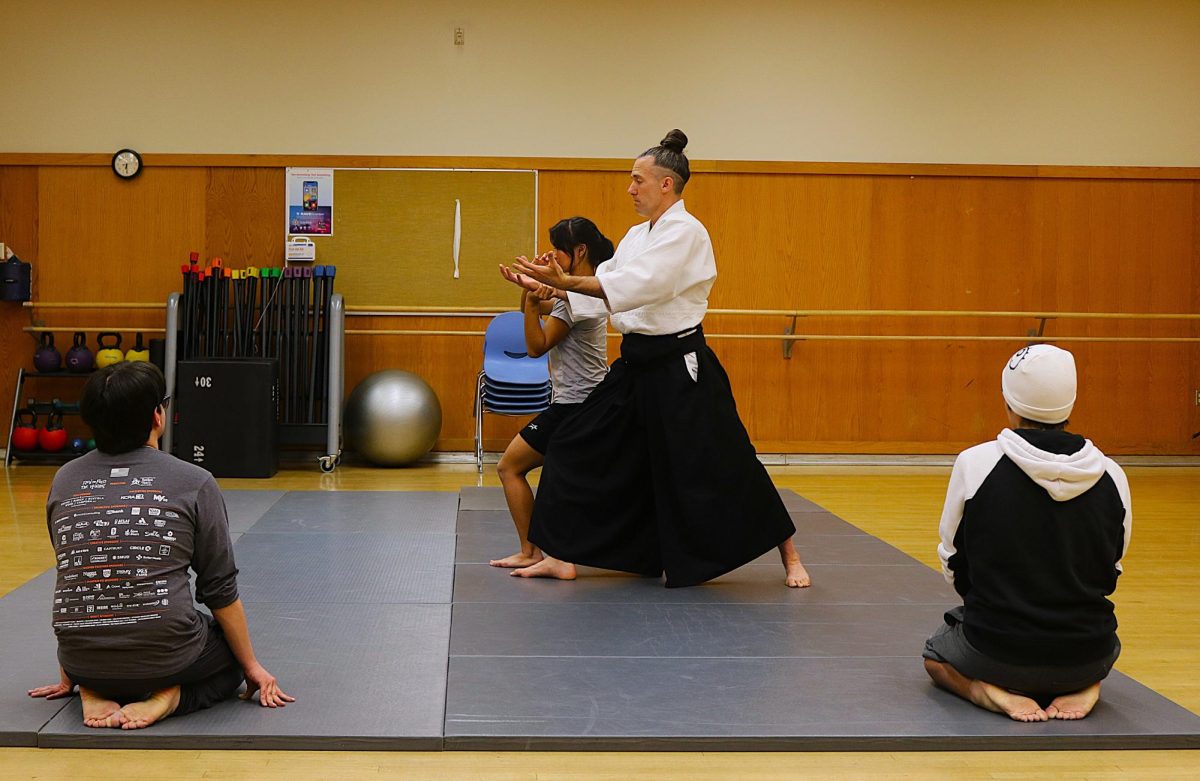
pixel 1035 525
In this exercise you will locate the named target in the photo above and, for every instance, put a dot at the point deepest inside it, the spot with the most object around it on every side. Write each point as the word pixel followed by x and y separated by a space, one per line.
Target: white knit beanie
pixel 1039 383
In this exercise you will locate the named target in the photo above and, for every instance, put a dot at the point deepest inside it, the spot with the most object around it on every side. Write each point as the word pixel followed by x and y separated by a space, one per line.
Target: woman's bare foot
pixel 1075 705
pixel 99 712
pixel 518 560
pixel 161 704
pixel 796 576
pixel 1017 707
pixel 548 567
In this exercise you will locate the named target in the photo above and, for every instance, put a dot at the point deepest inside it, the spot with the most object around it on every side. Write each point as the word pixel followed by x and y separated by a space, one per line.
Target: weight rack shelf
pixel 40 456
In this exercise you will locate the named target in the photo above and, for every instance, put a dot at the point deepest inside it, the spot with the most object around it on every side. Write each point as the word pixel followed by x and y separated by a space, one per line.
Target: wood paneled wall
pixel 859 239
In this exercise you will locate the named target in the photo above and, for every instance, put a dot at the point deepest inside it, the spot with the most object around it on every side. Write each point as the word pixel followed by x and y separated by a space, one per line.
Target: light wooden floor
pixel 1158 605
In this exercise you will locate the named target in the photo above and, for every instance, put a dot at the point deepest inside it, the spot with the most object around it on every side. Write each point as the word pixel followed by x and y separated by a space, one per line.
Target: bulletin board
pixel 394 230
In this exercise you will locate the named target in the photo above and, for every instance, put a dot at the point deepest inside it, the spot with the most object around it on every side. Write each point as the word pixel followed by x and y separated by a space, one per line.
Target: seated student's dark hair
pixel 118 404
pixel 669 155
pixel 568 234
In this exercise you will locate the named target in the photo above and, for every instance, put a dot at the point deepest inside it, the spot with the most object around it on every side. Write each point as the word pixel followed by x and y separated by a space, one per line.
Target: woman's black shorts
pixel 539 430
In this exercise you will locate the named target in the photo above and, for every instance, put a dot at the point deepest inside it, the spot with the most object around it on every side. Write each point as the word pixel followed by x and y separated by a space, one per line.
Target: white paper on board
pixel 457 233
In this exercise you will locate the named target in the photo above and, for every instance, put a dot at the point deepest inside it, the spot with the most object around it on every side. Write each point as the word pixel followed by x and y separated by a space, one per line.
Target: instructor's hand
pixel 269 693
pixel 548 273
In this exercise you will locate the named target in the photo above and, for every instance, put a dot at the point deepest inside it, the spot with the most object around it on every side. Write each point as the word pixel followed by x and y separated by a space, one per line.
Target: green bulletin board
pixel 393 233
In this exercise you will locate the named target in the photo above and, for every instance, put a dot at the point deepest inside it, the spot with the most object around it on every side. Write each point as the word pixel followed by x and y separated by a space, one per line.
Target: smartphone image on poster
pixel 310 196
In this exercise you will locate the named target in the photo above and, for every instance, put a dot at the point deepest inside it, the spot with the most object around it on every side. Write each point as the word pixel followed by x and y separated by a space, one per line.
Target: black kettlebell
pixel 46 358
pixel 79 357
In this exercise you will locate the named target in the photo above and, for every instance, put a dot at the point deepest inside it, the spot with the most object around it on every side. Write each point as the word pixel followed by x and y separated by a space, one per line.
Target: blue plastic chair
pixel 509 397
pixel 504 357
pixel 511 382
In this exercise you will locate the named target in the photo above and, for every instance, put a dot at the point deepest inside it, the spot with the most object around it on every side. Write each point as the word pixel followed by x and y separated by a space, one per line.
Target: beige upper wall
pixel 1093 82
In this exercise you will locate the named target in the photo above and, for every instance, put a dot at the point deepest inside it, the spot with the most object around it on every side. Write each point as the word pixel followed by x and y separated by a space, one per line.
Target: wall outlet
pixel 1198 398
pixel 460 36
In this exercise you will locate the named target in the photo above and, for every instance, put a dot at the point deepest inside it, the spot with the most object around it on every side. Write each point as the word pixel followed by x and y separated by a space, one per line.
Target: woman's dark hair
pixel 568 234
pixel 118 404
pixel 669 155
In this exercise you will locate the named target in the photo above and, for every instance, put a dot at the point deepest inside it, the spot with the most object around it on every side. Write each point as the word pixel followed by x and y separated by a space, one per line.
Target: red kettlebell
pixel 53 437
pixel 25 432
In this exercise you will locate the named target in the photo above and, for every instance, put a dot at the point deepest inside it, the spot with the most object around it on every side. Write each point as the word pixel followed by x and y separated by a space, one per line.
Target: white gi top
pixel 658 281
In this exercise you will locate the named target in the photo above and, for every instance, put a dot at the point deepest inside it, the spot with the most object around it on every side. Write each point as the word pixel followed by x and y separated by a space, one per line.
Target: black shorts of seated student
pixel 213 677
pixel 537 432
pixel 949 645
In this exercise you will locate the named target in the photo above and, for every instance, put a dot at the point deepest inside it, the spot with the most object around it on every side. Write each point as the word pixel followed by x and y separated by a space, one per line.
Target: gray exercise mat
pixel 481 498
pixel 613 661
pixel 484 521
pixel 822 522
pixel 901 584
pixel 483 546
pixel 795 503
pixel 361 512
pixel 364 677
pixel 28 651
pixel 698 630
pixel 807 523
pixel 318 568
pixel 349 600
pixel 818 704
pixel 246 507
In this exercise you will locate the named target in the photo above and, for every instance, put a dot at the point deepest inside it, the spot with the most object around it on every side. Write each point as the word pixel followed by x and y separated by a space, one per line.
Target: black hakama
pixel 655 472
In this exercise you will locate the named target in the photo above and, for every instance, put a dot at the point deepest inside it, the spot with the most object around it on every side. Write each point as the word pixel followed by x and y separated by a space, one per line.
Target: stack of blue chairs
pixel 511 382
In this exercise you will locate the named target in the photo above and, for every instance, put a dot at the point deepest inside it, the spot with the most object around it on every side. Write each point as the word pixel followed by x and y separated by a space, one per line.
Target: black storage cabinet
pixel 227 415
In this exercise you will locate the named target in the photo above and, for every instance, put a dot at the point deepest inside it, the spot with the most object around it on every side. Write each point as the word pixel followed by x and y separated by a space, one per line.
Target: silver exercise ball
pixel 392 418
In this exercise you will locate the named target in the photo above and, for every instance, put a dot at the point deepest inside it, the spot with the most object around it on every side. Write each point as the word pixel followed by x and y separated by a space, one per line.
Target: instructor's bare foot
pixel 1017 707
pixel 797 576
pixel 161 704
pixel 517 560
pixel 549 567
pixel 1075 705
pixel 99 712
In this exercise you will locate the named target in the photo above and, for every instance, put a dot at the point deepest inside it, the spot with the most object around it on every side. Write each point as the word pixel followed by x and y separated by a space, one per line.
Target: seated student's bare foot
pixel 796 576
pixel 100 712
pixel 1075 705
pixel 1017 707
pixel 517 560
pixel 139 715
pixel 548 567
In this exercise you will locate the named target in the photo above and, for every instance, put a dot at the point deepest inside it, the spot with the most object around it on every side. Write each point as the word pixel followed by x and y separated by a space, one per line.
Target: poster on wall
pixel 310 201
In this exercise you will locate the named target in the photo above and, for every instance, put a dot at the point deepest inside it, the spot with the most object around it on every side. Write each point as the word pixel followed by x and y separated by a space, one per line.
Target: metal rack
pixel 291 434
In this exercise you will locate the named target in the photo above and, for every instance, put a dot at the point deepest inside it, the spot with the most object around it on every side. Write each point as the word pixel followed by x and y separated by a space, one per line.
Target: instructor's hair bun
pixel 676 141
pixel 669 155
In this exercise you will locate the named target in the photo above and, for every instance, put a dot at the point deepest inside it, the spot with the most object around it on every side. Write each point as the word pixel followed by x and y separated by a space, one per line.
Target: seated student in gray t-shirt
pixel 576 339
pixel 127 521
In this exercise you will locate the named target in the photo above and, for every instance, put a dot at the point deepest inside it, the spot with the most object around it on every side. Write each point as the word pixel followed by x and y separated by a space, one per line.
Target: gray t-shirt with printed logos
pixel 125 529
pixel 579 362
